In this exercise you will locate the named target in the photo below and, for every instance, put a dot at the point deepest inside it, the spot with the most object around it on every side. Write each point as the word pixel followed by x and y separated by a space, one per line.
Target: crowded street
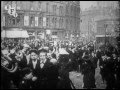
pixel 60 45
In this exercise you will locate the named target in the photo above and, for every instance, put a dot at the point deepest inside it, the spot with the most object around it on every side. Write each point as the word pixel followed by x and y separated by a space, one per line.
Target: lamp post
pixel 44 25
pixel 105 25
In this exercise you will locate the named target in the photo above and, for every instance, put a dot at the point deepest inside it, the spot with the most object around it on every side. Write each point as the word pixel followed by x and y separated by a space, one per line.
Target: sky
pixel 87 4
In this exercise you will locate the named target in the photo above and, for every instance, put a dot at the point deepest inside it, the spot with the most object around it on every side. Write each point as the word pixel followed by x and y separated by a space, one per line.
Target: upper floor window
pixel 40 21
pixel 47 21
pixel 60 10
pixel 19 20
pixel 47 7
pixel 54 9
pixel 31 20
pixel 13 21
pixel 55 22
pixel 67 10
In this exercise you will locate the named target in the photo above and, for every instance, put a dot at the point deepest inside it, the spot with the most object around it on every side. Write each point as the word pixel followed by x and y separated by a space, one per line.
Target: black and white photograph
pixel 60 45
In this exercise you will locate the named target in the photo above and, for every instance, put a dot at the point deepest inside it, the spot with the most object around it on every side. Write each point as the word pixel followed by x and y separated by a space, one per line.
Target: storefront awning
pixel 103 36
pixel 14 33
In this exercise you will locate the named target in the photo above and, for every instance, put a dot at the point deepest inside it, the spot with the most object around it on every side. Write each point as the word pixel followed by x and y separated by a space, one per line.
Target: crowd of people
pixel 40 65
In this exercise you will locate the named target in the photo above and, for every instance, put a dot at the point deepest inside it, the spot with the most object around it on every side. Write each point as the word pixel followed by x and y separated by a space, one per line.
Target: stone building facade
pixel 94 19
pixel 61 17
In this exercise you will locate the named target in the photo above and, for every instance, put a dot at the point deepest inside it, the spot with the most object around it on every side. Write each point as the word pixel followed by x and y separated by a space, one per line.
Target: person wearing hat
pixel 87 71
pixel 48 73
pixel 117 73
pixel 116 64
pixel 34 65
pixel 94 61
pixel 25 49
pixel 64 69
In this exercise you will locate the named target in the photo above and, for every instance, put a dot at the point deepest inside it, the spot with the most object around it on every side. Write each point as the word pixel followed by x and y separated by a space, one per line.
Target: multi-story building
pixel 61 17
pixel 95 19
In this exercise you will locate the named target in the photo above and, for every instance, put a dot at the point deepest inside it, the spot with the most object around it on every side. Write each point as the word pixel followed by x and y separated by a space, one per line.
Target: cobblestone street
pixel 77 80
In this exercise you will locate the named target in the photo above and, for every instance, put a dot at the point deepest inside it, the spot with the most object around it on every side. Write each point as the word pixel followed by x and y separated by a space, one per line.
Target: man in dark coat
pixel 99 55
pixel 87 71
pixel 109 71
pixel 48 72
pixel 64 69
pixel 94 63
pixel 117 72
pixel 34 64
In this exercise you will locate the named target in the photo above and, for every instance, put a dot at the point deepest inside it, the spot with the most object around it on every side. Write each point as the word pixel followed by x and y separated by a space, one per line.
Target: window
pixel 40 21
pixel 47 7
pixel 32 21
pixel 18 19
pixel 72 11
pixel 67 10
pixel 66 23
pixel 13 20
pixel 55 22
pixel 60 10
pixel 54 33
pixel 54 9
pixel 47 21
pixel 39 5
pixel 62 22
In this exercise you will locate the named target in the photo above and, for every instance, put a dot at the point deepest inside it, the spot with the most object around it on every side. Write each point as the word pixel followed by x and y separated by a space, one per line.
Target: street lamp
pixel 44 26
pixel 105 25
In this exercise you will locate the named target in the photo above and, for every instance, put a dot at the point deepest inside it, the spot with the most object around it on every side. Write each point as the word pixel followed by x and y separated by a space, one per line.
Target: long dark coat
pixel 64 69
pixel 87 70
pixel 48 76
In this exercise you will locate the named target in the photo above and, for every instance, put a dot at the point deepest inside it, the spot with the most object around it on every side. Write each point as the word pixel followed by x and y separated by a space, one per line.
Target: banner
pixel 26 20
pixel 36 21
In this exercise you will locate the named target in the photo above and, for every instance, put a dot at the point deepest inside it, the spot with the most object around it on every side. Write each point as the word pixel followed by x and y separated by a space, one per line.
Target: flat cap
pixel 42 50
pixel 33 50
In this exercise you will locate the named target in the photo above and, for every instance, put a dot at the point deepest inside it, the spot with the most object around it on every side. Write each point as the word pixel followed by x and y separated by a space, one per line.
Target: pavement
pixel 77 79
